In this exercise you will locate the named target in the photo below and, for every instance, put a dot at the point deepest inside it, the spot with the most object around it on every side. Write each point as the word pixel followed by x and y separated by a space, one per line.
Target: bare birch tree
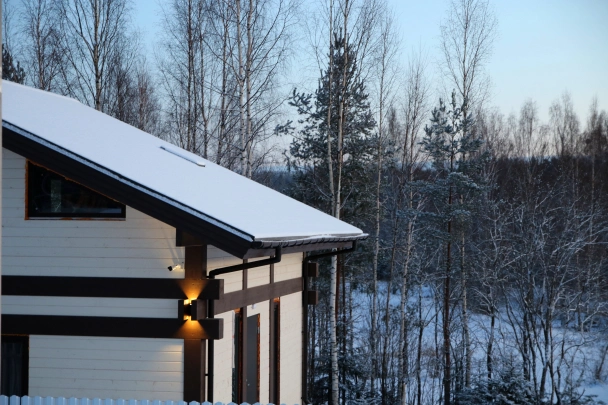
pixel 95 32
pixel 386 75
pixel 42 43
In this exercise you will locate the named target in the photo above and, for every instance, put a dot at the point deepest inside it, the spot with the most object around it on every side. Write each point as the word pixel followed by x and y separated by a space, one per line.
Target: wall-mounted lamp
pixel 193 310
pixel 174 267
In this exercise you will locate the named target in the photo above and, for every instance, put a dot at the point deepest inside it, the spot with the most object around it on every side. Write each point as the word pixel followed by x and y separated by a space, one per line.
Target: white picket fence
pixel 26 400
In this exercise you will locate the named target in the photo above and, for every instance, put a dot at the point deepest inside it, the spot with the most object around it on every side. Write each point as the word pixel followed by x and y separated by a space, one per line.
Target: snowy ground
pixel 581 348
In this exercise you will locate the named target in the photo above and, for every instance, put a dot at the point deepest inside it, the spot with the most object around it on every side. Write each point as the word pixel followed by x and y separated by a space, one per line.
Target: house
pixel 134 269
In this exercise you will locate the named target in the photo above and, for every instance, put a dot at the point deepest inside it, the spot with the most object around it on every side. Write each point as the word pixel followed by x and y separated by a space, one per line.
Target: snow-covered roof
pixel 197 187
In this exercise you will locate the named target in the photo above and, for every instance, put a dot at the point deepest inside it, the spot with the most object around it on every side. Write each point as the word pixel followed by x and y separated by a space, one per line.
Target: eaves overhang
pixel 157 205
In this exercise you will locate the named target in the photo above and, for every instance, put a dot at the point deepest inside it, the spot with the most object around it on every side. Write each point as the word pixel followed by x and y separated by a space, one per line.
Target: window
pixel 15 364
pixel 50 195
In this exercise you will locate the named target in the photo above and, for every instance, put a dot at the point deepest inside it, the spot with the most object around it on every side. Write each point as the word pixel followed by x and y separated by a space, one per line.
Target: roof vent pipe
pixel 181 153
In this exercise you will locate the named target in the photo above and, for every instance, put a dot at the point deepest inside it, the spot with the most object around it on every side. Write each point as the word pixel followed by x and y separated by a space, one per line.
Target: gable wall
pixel 139 246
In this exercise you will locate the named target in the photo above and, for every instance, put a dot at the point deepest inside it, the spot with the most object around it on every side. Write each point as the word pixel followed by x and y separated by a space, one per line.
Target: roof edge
pixel 271 244
pixel 117 176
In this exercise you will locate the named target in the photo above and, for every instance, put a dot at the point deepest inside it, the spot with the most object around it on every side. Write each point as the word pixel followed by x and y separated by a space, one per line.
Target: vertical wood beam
pixel 243 374
pixel 194 371
pixel 273 380
pixel 195 352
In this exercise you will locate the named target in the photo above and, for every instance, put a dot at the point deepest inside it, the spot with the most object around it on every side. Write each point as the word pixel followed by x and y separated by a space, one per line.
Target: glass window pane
pixel 52 195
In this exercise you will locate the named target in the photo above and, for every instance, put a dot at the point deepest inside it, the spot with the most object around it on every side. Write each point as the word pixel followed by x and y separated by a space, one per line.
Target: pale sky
pixel 543 48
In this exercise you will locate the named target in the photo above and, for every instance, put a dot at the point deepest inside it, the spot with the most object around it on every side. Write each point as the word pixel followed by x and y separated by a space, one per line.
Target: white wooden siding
pixel 217 258
pixel 224 361
pixel 289 267
pixel 89 306
pixel 258 275
pixel 71 366
pixel 139 246
pixel 291 349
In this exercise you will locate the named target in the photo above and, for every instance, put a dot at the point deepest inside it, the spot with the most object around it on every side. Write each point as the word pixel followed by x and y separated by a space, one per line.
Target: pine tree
pixel 330 156
pixel 11 69
pixel 308 150
pixel 453 149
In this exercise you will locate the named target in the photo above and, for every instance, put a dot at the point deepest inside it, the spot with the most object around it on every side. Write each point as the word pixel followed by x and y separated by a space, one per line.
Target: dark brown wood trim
pixel 112 326
pixel 244 328
pixel 113 287
pixel 266 292
pixel 194 370
pixel 312 269
pixel 312 297
pixel 275 351
pixel 259 359
pixel 183 238
pixel 195 350
pixel 238 324
pixel 195 262
pixel 25 365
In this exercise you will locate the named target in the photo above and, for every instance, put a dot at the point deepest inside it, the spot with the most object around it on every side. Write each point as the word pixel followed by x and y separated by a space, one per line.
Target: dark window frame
pixel 29 196
pixel 25 365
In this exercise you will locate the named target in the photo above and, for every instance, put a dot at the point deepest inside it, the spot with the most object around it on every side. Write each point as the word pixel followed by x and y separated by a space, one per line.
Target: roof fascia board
pixel 254 253
pixel 87 173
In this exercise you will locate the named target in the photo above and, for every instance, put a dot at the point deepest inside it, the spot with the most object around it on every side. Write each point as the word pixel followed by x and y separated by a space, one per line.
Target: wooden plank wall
pixel 138 246
pixel 68 366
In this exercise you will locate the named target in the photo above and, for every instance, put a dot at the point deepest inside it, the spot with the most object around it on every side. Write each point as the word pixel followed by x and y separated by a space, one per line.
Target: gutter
pixel 211 307
pixel 306 260
pixel 271 244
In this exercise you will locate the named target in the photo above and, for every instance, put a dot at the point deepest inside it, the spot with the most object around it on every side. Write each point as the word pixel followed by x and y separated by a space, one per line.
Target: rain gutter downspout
pixel 211 308
pixel 305 314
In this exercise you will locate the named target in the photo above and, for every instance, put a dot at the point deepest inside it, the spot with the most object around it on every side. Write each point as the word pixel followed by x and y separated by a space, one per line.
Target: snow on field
pixel 576 353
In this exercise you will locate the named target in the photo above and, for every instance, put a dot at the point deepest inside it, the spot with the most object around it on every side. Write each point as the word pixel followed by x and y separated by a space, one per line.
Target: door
pixel 252 376
pixel 15 364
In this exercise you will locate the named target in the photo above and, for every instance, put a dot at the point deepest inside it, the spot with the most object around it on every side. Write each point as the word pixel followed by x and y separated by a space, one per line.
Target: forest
pixel 484 278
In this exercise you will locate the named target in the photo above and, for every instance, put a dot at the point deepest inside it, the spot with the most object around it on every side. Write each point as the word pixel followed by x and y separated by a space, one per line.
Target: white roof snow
pixel 208 190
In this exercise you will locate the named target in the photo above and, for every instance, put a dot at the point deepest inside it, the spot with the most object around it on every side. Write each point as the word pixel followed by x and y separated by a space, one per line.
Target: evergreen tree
pixel 337 118
pixel 308 150
pixel 11 69
pixel 508 389
pixel 453 149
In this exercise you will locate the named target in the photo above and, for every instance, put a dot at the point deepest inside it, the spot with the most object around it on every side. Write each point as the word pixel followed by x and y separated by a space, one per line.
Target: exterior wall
pixel 291 328
pixel 89 306
pixel 217 258
pixel 138 246
pixel 224 361
pixel 291 349
pixel 91 367
pixel 289 267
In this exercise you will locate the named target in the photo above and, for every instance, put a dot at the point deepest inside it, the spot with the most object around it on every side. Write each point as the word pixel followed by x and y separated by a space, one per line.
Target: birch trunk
pixel 241 85
pixel 333 344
